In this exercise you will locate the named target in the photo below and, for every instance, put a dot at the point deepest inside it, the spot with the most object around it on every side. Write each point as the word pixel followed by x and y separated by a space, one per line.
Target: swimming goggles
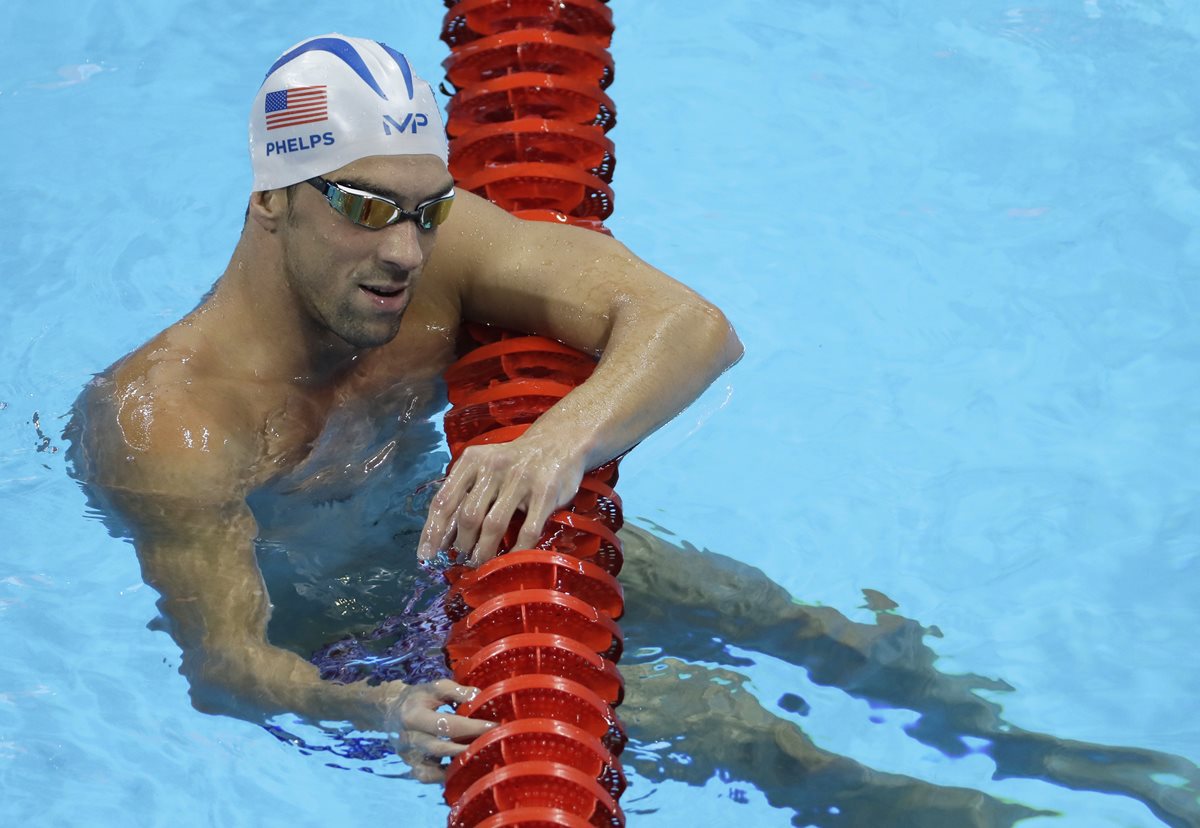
pixel 377 212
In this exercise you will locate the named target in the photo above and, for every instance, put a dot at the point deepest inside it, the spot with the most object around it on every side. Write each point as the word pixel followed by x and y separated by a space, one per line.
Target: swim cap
pixel 331 100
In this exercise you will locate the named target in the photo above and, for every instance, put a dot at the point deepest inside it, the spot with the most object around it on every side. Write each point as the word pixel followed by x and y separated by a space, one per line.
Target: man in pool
pixel 338 312
pixel 357 263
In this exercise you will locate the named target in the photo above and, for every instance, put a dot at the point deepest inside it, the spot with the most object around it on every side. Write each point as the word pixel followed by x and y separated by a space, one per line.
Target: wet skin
pixel 318 324
pixel 336 537
pixel 315 314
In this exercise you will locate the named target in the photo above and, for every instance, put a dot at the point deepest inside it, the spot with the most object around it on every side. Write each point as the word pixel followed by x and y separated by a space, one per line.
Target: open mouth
pixel 386 293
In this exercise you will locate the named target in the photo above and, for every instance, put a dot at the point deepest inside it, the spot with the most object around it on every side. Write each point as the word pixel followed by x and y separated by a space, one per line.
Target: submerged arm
pixel 661 345
pixel 199 556
pixel 195 535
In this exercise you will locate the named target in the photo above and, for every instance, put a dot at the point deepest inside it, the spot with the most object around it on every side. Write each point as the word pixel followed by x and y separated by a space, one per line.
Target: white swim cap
pixel 331 100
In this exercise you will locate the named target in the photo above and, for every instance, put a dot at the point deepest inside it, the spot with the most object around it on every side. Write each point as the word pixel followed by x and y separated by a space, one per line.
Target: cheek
pixel 428 241
pixel 309 271
pixel 315 256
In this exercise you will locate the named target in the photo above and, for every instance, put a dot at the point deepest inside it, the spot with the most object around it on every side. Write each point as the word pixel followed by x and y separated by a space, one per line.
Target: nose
pixel 401 246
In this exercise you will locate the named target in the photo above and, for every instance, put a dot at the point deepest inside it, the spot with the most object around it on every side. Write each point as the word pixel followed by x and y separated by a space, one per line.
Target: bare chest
pixel 311 430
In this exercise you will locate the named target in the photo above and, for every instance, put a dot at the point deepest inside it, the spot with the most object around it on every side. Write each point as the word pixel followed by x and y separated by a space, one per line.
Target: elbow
pixel 212 700
pixel 213 690
pixel 686 326
pixel 222 686
pixel 734 350
pixel 212 695
pixel 719 335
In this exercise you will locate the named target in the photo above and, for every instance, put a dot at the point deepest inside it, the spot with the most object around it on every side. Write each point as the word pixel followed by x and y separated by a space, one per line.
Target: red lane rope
pixel 535 629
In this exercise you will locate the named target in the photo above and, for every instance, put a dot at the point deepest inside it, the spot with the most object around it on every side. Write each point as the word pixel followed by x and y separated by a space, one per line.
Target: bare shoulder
pixel 154 424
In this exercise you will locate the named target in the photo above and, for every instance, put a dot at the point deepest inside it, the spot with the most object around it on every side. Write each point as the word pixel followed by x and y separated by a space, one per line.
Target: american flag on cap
pixel 295 106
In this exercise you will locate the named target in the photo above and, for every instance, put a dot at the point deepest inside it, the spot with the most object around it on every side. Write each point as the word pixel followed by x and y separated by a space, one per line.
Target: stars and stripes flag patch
pixel 295 106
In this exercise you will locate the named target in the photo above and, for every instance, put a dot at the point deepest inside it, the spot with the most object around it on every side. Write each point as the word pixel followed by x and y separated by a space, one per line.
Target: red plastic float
pixel 534 569
pixel 533 140
pixel 527 654
pixel 531 739
pixel 534 611
pixel 529 50
pixel 539 784
pixel 535 629
pixel 545 697
pixel 472 19
pixel 560 98
pixel 535 818
pixel 559 187
pixel 526 357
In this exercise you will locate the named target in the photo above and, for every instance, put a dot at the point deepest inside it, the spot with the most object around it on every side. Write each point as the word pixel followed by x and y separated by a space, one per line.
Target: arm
pixel 661 345
pixel 195 539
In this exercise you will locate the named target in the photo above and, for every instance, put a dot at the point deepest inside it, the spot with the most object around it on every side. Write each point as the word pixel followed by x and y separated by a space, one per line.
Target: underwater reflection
pixel 337 551
pixel 673 594
pixel 382 620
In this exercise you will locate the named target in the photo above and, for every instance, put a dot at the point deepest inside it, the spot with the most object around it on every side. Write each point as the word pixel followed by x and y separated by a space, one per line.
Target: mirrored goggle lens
pixel 350 205
pixel 435 212
pixel 377 213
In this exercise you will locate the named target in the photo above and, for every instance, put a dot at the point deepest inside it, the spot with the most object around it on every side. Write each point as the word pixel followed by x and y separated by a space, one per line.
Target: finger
pixel 470 516
pixel 494 526
pixel 535 523
pixel 434 535
pixel 431 721
pixel 427 771
pixel 443 541
pixel 463 730
pixel 426 767
pixel 448 691
pixel 439 525
pixel 424 748
pixel 456 733
pixel 445 727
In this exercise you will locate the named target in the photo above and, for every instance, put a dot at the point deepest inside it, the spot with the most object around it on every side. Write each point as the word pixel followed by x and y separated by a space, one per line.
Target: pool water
pixel 959 242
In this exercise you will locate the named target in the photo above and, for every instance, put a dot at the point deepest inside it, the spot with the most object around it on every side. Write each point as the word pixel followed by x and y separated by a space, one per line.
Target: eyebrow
pixel 367 186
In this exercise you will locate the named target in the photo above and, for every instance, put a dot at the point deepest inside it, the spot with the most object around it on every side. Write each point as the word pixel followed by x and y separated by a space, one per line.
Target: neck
pixel 257 321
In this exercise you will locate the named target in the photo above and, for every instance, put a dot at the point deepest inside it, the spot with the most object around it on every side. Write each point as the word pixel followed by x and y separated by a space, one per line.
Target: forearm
pixel 195 535
pixel 216 607
pixel 254 680
pixel 658 358
pixel 661 345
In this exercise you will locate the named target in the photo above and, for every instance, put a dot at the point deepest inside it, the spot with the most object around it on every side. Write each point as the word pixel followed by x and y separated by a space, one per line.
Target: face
pixel 356 282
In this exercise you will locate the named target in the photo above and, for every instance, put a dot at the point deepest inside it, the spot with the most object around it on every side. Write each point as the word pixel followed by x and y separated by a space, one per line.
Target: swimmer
pixel 357 264
pixel 338 312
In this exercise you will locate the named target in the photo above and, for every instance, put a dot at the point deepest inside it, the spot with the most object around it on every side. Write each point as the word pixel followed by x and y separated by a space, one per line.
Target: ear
pixel 269 208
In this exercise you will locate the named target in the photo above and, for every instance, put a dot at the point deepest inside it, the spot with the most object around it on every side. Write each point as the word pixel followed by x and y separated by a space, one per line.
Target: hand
pixel 422 734
pixel 491 483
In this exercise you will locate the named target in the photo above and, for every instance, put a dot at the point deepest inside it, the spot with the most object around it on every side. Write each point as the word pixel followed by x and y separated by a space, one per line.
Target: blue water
pixel 957 238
